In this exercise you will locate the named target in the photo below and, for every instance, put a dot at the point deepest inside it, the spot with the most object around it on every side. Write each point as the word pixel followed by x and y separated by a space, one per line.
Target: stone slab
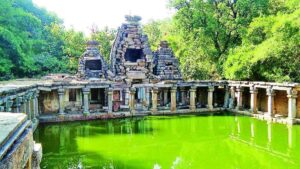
pixel 136 75
pixel 9 123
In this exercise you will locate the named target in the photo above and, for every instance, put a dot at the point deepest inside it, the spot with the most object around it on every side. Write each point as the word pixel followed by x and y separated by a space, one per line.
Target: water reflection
pixel 166 142
pixel 276 139
pixel 59 141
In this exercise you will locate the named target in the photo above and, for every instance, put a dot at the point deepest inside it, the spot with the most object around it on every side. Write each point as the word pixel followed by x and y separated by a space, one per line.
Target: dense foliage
pixel 34 42
pixel 234 39
pixel 270 49
pixel 224 39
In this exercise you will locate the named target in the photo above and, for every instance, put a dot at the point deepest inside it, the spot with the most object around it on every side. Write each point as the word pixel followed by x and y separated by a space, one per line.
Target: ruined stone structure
pixel 131 56
pixel 142 82
pixel 91 63
pixel 166 65
pixel 139 82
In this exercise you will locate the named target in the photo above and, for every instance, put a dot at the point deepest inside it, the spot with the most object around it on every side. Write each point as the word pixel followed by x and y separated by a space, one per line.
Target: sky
pixel 82 14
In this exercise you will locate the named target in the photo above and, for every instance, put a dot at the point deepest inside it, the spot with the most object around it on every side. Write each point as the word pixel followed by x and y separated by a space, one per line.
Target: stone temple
pixel 136 82
pixel 139 81
pixel 131 56
pixel 92 63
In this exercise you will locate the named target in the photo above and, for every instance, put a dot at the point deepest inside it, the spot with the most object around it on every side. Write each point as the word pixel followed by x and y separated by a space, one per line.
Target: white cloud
pixel 81 14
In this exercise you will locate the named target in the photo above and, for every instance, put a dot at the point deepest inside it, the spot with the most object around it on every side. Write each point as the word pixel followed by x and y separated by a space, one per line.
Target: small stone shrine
pixel 131 56
pixel 166 65
pixel 91 63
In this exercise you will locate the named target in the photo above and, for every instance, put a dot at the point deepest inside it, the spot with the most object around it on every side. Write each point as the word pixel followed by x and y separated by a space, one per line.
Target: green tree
pixel 270 49
pixel 105 37
pixel 33 42
pixel 209 28
pixel 158 30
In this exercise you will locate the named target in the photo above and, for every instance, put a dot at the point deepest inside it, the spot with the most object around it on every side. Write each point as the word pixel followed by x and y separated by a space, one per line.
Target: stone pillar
pixel 232 97
pixel 210 95
pixel 165 96
pixel 132 100
pixel 127 95
pixel 270 94
pixel 147 97
pixel 35 105
pixel 239 91
pixel 192 98
pixel 8 105
pixel 173 99
pixel 253 101
pixel 183 96
pixel 226 97
pixel 154 99
pixel 292 105
pixel 25 104
pixel 28 107
pixel 86 92
pixel 19 104
pixel 110 100
pixel 61 100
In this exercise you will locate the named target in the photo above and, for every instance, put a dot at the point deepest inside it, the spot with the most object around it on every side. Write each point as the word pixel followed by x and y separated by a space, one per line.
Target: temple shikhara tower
pixel 166 65
pixel 131 56
pixel 92 63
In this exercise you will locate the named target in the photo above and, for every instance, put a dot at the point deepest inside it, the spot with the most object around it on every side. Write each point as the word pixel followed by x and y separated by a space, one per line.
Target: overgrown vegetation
pixel 224 39
pixel 234 39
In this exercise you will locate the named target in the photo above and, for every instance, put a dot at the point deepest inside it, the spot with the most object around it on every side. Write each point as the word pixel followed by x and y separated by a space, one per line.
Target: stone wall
pixel 73 106
pixel 18 150
pixel 298 105
pixel 20 156
pixel 281 103
pixel 262 101
pixel 49 102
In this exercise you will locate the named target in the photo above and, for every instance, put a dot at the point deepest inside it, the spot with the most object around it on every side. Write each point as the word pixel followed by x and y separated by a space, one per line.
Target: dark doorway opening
pixel 132 55
pixel 93 64
pixel 72 95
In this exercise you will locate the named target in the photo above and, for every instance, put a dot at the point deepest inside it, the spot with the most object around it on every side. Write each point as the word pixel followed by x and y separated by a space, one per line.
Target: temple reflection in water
pixel 272 138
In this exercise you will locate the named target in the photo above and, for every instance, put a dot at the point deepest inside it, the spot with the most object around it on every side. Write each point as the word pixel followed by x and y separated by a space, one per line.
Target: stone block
pixel 136 75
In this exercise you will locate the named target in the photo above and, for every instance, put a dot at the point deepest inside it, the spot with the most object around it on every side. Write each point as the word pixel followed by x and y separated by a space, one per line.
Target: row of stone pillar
pixel 22 104
pixel 270 92
pixel 192 92
pixel 85 91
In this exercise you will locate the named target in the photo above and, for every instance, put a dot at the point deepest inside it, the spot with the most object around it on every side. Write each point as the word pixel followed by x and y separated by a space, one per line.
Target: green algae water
pixel 171 142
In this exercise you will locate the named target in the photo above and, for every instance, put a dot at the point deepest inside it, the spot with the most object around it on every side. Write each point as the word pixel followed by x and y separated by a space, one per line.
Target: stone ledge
pixel 12 125
pixel 56 118
pixel 81 117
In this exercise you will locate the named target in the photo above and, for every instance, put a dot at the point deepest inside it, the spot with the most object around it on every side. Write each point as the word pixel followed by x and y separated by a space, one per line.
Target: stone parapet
pixel 16 142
